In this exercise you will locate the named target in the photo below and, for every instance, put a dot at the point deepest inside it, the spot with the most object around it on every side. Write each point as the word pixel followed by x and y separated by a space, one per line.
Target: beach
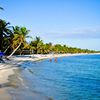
pixel 5 71
pixel 8 68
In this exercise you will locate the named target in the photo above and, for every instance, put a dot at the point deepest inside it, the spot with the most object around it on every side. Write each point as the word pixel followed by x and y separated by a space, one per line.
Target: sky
pixel 75 23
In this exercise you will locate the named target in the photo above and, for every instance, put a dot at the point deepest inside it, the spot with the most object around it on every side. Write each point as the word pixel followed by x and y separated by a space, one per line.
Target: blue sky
pixel 72 22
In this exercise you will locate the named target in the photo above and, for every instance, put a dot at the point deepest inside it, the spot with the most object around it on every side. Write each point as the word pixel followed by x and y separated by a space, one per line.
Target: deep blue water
pixel 71 78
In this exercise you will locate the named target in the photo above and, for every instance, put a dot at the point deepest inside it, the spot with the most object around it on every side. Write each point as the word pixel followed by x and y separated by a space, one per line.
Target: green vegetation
pixel 13 41
pixel 19 36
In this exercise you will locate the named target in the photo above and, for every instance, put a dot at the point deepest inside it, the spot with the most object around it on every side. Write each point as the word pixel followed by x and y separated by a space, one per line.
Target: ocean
pixel 67 78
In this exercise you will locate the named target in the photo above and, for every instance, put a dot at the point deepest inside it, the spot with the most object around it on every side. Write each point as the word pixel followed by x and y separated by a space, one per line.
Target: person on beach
pixel 50 60
pixel 1 59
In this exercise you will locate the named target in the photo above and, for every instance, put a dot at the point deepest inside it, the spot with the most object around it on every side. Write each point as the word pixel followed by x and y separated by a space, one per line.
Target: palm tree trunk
pixel 15 50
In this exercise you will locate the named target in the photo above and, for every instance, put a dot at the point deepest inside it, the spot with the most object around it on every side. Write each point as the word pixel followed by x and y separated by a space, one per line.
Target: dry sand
pixel 5 71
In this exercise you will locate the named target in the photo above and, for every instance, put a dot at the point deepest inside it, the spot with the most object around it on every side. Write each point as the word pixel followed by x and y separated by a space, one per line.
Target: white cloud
pixel 84 33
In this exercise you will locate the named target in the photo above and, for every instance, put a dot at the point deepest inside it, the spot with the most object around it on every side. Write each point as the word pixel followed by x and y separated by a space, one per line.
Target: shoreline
pixel 36 57
pixel 7 69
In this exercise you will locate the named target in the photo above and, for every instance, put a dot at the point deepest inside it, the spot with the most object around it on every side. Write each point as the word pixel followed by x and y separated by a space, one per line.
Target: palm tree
pixel 20 35
pixel 47 48
pixel 5 32
pixel 37 44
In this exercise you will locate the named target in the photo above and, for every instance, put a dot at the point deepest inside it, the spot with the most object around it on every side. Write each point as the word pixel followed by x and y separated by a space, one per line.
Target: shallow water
pixel 70 78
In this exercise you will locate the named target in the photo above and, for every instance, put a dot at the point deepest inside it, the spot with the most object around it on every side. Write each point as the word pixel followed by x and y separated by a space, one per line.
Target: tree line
pixel 13 39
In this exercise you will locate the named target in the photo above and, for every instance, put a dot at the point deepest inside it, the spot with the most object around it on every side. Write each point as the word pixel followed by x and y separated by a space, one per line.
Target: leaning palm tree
pixel 20 35
pixel 5 32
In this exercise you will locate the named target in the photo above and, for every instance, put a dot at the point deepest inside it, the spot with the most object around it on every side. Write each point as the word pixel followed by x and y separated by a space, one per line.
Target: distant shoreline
pixel 36 57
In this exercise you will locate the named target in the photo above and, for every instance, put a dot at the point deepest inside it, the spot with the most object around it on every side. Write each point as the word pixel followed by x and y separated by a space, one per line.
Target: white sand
pixel 37 57
pixel 5 71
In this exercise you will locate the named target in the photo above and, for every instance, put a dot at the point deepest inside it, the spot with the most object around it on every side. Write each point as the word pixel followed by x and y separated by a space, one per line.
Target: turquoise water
pixel 70 78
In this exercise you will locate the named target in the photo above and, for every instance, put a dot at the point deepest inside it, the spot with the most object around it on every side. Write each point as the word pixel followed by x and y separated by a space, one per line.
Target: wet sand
pixel 4 94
